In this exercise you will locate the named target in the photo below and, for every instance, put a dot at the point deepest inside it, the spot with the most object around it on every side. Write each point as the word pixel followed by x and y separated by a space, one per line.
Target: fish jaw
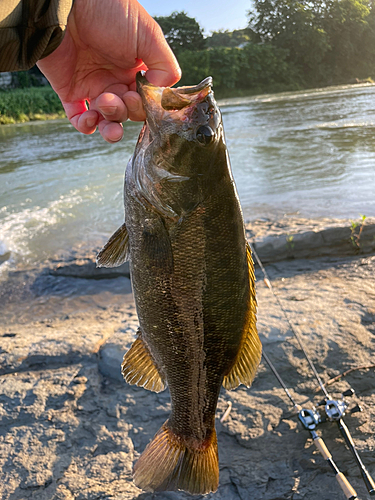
pixel 180 110
pixel 176 157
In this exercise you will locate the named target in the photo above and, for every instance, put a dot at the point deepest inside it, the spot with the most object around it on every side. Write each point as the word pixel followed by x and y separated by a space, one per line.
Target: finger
pixel 134 105
pixel 83 120
pixel 87 122
pixel 111 106
pixel 110 131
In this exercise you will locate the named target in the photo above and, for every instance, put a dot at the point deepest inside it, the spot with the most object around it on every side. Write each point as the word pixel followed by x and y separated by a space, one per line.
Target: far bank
pixel 22 105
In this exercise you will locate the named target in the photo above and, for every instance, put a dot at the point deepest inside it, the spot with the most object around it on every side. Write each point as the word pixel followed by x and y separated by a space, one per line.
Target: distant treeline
pixel 287 44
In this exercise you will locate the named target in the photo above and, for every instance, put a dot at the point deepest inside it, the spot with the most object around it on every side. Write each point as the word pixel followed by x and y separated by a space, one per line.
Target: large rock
pixel 306 239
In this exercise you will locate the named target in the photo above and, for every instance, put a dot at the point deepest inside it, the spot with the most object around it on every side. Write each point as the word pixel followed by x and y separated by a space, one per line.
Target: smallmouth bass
pixel 193 281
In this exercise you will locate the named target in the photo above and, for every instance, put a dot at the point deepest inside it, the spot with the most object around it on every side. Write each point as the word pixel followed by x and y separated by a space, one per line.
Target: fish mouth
pixel 171 99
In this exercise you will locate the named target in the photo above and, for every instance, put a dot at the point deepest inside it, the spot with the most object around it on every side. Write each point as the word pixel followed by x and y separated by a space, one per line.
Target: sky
pixel 212 15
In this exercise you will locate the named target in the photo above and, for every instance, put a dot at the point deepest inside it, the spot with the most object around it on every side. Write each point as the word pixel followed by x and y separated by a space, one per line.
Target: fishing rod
pixel 334 409
pixel 310 420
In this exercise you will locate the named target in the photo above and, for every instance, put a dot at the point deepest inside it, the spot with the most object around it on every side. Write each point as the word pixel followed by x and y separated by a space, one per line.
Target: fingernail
pixel 108 110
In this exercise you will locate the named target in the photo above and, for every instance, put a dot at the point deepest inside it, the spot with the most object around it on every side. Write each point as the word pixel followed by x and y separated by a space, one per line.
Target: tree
pixel 347 25
pixel 182 32
pixel 294 25
pixel 328 41
pixel 236 38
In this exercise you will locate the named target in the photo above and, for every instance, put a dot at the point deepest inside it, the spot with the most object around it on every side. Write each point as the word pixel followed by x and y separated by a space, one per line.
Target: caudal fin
pixel 168 464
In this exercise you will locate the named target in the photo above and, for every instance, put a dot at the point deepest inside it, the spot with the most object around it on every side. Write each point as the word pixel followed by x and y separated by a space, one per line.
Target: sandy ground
pixel 71 429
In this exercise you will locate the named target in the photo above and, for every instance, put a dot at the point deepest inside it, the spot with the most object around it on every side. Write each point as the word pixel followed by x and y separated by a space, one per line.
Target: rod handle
pixel 346 487
pixel 319 443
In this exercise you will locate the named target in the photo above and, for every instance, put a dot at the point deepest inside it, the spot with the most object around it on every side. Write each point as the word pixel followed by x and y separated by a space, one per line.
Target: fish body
pixel 193 281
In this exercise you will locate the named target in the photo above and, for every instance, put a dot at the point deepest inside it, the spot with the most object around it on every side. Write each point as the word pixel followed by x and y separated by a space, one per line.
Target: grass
pixel 356 235
pixel 34 103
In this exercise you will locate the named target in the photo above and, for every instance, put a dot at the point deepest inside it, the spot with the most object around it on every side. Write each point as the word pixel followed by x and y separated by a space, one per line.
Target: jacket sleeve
pixel 30 30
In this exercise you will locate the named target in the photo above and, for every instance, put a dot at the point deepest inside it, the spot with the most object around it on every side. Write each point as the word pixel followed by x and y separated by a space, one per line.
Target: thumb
pixel 163 68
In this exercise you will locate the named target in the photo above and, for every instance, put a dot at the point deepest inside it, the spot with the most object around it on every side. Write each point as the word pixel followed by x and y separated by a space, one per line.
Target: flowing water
pixel 309 153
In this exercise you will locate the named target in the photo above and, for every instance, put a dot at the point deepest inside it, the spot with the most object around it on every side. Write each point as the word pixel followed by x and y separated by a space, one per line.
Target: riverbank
pixel 42 103
pixel 29 104
pixel 71 428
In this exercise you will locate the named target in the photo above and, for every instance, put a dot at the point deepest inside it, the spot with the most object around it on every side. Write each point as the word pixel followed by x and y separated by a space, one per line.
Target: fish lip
pixel 184 96
pixel 141 80
pixel 204 84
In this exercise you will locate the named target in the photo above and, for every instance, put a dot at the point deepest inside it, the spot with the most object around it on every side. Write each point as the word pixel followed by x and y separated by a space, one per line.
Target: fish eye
pixel 204 134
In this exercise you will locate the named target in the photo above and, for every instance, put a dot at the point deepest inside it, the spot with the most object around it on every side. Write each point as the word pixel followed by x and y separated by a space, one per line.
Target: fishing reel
pixel 309 419
pixel 335 408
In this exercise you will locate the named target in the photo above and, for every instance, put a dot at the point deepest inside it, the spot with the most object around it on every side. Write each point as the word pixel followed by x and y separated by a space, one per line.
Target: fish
pixel 193 281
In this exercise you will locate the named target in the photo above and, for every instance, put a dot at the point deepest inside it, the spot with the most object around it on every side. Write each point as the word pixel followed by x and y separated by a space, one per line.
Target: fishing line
pixel 270 287
pixel 310 420
pixel 334 409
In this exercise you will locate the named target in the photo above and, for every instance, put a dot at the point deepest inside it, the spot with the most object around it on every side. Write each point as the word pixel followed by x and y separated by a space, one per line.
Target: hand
pixel 105 44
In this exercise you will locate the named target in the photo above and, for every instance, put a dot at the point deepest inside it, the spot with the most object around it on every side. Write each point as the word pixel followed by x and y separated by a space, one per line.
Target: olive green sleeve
pixel 30 30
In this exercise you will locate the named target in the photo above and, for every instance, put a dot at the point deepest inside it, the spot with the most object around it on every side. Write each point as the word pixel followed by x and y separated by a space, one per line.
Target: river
pixel 309 153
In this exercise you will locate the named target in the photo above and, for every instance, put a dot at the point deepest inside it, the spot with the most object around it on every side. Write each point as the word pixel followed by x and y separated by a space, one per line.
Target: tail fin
pixel 168 464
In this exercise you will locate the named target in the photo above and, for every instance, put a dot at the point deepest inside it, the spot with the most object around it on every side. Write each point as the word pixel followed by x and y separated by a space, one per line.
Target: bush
pixel 33 103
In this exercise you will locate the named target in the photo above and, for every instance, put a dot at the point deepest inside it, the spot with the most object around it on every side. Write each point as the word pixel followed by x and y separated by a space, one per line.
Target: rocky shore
pixel 71 427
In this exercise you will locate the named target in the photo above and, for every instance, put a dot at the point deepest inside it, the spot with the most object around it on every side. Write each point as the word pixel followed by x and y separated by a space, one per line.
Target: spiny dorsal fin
pixel 248 357
pixel 139 367
pixel 115 251
pixel 169 464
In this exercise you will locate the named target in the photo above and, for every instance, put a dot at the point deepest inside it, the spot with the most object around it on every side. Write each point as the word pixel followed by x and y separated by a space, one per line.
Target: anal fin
pixel 139 367
pixel 250 352
pixel 116 251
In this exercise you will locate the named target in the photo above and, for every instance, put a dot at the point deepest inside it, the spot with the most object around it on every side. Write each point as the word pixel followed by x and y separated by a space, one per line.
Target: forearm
pixel 30 30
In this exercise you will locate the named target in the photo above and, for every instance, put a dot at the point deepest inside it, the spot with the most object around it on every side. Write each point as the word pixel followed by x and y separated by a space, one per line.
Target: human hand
pixel 105 44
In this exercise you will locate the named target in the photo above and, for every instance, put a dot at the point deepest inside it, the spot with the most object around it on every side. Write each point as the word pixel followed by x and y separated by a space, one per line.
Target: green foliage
pixel 24 104
pixel 329 41
pixel 182 32
pixel 290 243
pixel 236 38
pixel 221 63
pixel 263 65
pixel 356 229
pixel 224 66
pixel 30 78
pixel 347 24
pixel 195 66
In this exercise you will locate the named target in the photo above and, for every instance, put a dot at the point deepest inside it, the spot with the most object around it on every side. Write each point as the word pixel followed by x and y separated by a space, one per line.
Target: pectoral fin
pixel 248 357
pixel 139 367
pixel 116 251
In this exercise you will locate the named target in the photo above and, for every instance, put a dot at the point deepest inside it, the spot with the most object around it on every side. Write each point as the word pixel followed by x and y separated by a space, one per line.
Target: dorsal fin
pixel 139 367
pixel 248 357
pixel 116 251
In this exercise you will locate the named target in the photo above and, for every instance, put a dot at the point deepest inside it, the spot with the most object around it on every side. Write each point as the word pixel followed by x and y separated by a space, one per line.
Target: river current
pixel 309 153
